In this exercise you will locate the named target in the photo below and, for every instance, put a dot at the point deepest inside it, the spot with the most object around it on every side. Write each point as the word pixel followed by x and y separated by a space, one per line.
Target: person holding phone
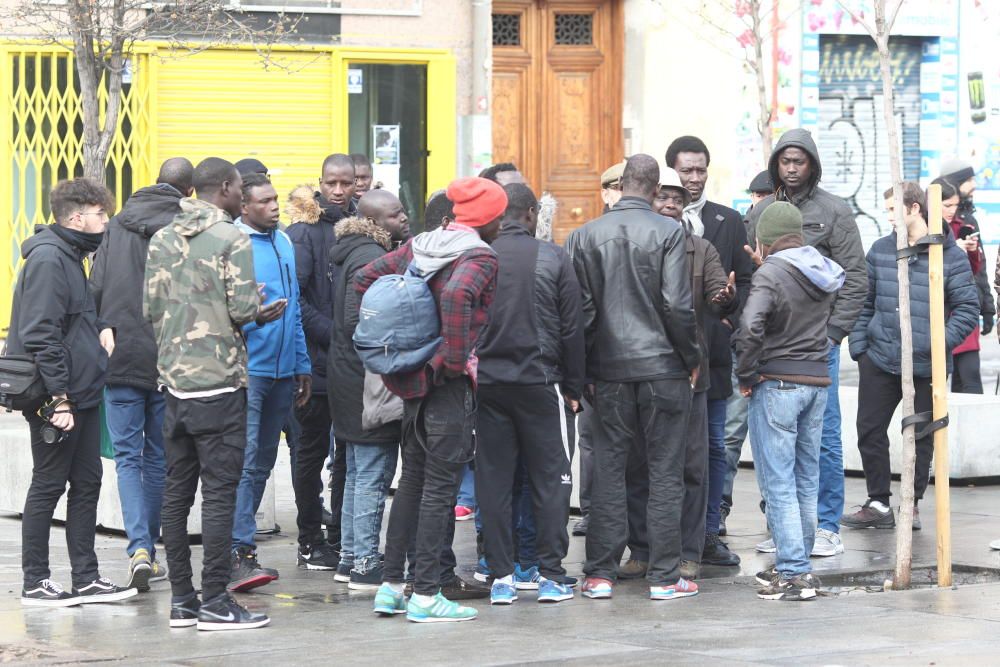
pixel 279 368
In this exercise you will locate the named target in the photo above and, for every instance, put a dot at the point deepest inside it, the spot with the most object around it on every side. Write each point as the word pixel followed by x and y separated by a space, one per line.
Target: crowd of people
pixel 655 341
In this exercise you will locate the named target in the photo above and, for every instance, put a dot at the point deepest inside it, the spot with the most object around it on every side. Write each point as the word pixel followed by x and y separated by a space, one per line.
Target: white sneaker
pixel 995 545
pixel 827 543
pixel 766 547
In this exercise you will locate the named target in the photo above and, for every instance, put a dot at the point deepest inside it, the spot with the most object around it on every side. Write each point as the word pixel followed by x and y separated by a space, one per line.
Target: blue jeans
pixel 467 492
pixel 268 403
pixel 523 520
pixel 785 421
pixel 831 453
pixel 717 462
pixel 135 424
pixel 370 469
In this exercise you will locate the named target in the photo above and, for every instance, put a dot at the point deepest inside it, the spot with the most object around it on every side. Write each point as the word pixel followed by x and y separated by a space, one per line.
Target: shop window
pixel 575 29
pixel 506 30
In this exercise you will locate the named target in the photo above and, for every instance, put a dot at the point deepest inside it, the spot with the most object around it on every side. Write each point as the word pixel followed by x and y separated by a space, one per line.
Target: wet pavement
pixel 318 621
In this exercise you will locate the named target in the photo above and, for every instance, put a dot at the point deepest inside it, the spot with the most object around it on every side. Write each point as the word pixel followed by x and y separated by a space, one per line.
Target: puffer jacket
pixel 359 242
pixel 876 333
pixel 827 225
pixel 116 281
pixel 638 317
pixel 534 336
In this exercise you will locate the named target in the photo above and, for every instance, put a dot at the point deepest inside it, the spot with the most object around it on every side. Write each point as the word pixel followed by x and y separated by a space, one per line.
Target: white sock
pixel 424 600
pixel 877 504
pixel 509 580
pixel 396 588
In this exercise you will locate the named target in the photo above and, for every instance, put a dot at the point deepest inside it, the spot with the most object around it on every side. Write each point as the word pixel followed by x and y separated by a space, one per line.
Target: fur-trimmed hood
pixel 302 205
pixel 363 227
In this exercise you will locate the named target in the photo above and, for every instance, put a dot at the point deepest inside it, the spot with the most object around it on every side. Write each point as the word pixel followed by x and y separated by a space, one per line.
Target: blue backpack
pixel 399 329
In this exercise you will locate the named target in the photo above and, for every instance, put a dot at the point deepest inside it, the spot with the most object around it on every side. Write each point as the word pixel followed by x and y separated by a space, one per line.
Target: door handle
pixel 577 213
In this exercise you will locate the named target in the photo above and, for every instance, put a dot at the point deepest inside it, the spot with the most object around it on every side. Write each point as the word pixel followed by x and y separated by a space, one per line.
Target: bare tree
pixel 885 13
pixel 102 34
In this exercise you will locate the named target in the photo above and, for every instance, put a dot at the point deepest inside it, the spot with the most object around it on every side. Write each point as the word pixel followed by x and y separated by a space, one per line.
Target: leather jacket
pixel 639 321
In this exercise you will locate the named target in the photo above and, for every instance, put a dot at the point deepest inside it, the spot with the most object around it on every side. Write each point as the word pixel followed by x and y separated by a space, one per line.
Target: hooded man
pixel 781 353
pixel 133 405
pixel 829 226
pixel 439 398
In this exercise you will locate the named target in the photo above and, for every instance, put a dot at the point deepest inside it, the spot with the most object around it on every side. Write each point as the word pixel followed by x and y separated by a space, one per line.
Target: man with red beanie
pixel 439 399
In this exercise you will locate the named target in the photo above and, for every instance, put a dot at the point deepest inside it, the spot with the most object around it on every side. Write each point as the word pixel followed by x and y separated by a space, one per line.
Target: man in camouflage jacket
pixel 200 290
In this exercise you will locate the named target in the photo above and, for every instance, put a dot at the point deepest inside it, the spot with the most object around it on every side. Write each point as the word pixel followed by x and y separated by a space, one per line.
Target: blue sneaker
pixel 526 580
pixel 502 592
pixel 440 610
pixel 388 602
pixel 553 591
pixel 483 573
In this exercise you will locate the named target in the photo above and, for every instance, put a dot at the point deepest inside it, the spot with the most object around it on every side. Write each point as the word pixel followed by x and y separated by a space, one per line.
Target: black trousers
pixel 586 445
pixel 533 424
pixel 76 460
pixel 656 411
pixel 695 488
pixel 965 374
pixel 878 395
pixel 204 438
pixel 312 450
pixel 438 441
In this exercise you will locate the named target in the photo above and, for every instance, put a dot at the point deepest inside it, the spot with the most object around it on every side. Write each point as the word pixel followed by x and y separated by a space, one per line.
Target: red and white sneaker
pixel 597 588
pixel 463 513
pixel 682 589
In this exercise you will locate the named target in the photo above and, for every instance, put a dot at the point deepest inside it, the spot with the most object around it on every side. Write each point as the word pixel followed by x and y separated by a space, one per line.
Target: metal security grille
pixel 42 135
pixel 506 30
pixel 575 29
pixel 852 133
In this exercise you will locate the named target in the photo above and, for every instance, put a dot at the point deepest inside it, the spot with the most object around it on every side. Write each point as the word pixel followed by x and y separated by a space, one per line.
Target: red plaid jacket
pixel 464 291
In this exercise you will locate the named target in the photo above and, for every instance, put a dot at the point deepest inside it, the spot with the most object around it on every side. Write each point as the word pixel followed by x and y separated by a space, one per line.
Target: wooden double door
pixel 557 98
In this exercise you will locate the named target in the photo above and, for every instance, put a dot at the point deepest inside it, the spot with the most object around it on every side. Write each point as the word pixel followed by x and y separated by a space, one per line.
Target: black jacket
pixel 638 317
pixel 828 225
pixel 535 336
pixel 359 243
pixel 725 230
pixel 317 276
pixel 54 319
pixel 117 278
pixel 987 307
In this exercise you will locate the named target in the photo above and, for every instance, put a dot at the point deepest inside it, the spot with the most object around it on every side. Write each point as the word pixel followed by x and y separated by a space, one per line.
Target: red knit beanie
pixel 477 201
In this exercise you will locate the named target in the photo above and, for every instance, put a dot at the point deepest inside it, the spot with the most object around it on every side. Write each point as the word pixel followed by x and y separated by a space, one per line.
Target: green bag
pixel 107 448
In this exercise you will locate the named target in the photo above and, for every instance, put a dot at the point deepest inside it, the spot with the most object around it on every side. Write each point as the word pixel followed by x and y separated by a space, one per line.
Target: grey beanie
pixel 779 219
pixel 957 171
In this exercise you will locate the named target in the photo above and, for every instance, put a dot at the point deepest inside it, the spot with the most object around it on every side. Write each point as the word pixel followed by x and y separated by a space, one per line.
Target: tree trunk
pixel 764 109
pixel 904 526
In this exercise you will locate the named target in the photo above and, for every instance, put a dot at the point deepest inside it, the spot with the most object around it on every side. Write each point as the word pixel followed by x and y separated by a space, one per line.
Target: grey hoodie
pixel 828 225
pixel 432 251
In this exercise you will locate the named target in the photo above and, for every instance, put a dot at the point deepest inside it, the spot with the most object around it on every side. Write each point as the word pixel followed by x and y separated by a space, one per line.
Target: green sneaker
pixel 389 602
pixel 441 610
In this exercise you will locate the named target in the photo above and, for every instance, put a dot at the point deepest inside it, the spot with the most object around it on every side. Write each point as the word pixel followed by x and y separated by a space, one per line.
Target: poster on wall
pixel 385 139
pixel 355 81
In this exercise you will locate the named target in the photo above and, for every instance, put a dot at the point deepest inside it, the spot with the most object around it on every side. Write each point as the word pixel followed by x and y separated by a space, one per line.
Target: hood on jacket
pixel 196 216
pixel 798 138
pixel 432 251
pixel 823 274
pixel 362 228
pixel 302 205
pixel 547 208
pixel 45 236
pixel 150 209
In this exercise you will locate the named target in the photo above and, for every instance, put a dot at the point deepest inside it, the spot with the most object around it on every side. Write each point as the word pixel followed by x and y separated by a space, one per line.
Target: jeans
pixel 656 410
pixel 785 421
pixel 204 438
pixel 735 436
pixel 76 460
pixel 438 442
pixel 467 492
pixel 268 402
pixel 135 424
pixel 523 516
pixel 370 469
pixel 831 453
pixel 717 462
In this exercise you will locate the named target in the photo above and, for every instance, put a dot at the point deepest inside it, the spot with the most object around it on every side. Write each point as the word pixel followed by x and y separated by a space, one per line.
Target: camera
pixel 51 434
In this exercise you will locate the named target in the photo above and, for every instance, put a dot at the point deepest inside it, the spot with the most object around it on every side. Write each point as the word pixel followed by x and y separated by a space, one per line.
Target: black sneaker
pixel 184 613
pixel 717 553
pixel 369 581
pixel 460 589
pixel 246 574
pixel 102 590
pixel 47 593
pixel 580 527
pixel 318 557
pixel 723 515
pixel 767 577
pixel 798 589
pixel 870 516
pixel 343 572
pixel 223 613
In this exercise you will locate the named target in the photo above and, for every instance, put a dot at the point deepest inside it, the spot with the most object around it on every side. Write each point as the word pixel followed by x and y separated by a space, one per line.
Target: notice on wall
pixel 355 81
pixel 385 138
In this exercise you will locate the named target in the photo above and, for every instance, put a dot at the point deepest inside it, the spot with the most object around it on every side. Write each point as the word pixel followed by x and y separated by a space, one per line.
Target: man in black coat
pixel 54 320
pixel 133 406
pixel 723 228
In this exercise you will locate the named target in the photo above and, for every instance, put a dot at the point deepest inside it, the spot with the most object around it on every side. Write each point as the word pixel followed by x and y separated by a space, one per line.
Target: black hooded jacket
pixel 54 319
pixel 117 278
pixel 828 225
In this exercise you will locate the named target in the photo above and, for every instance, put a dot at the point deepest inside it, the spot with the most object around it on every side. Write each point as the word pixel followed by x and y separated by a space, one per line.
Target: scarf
pixel 82 241
pixel 692 216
